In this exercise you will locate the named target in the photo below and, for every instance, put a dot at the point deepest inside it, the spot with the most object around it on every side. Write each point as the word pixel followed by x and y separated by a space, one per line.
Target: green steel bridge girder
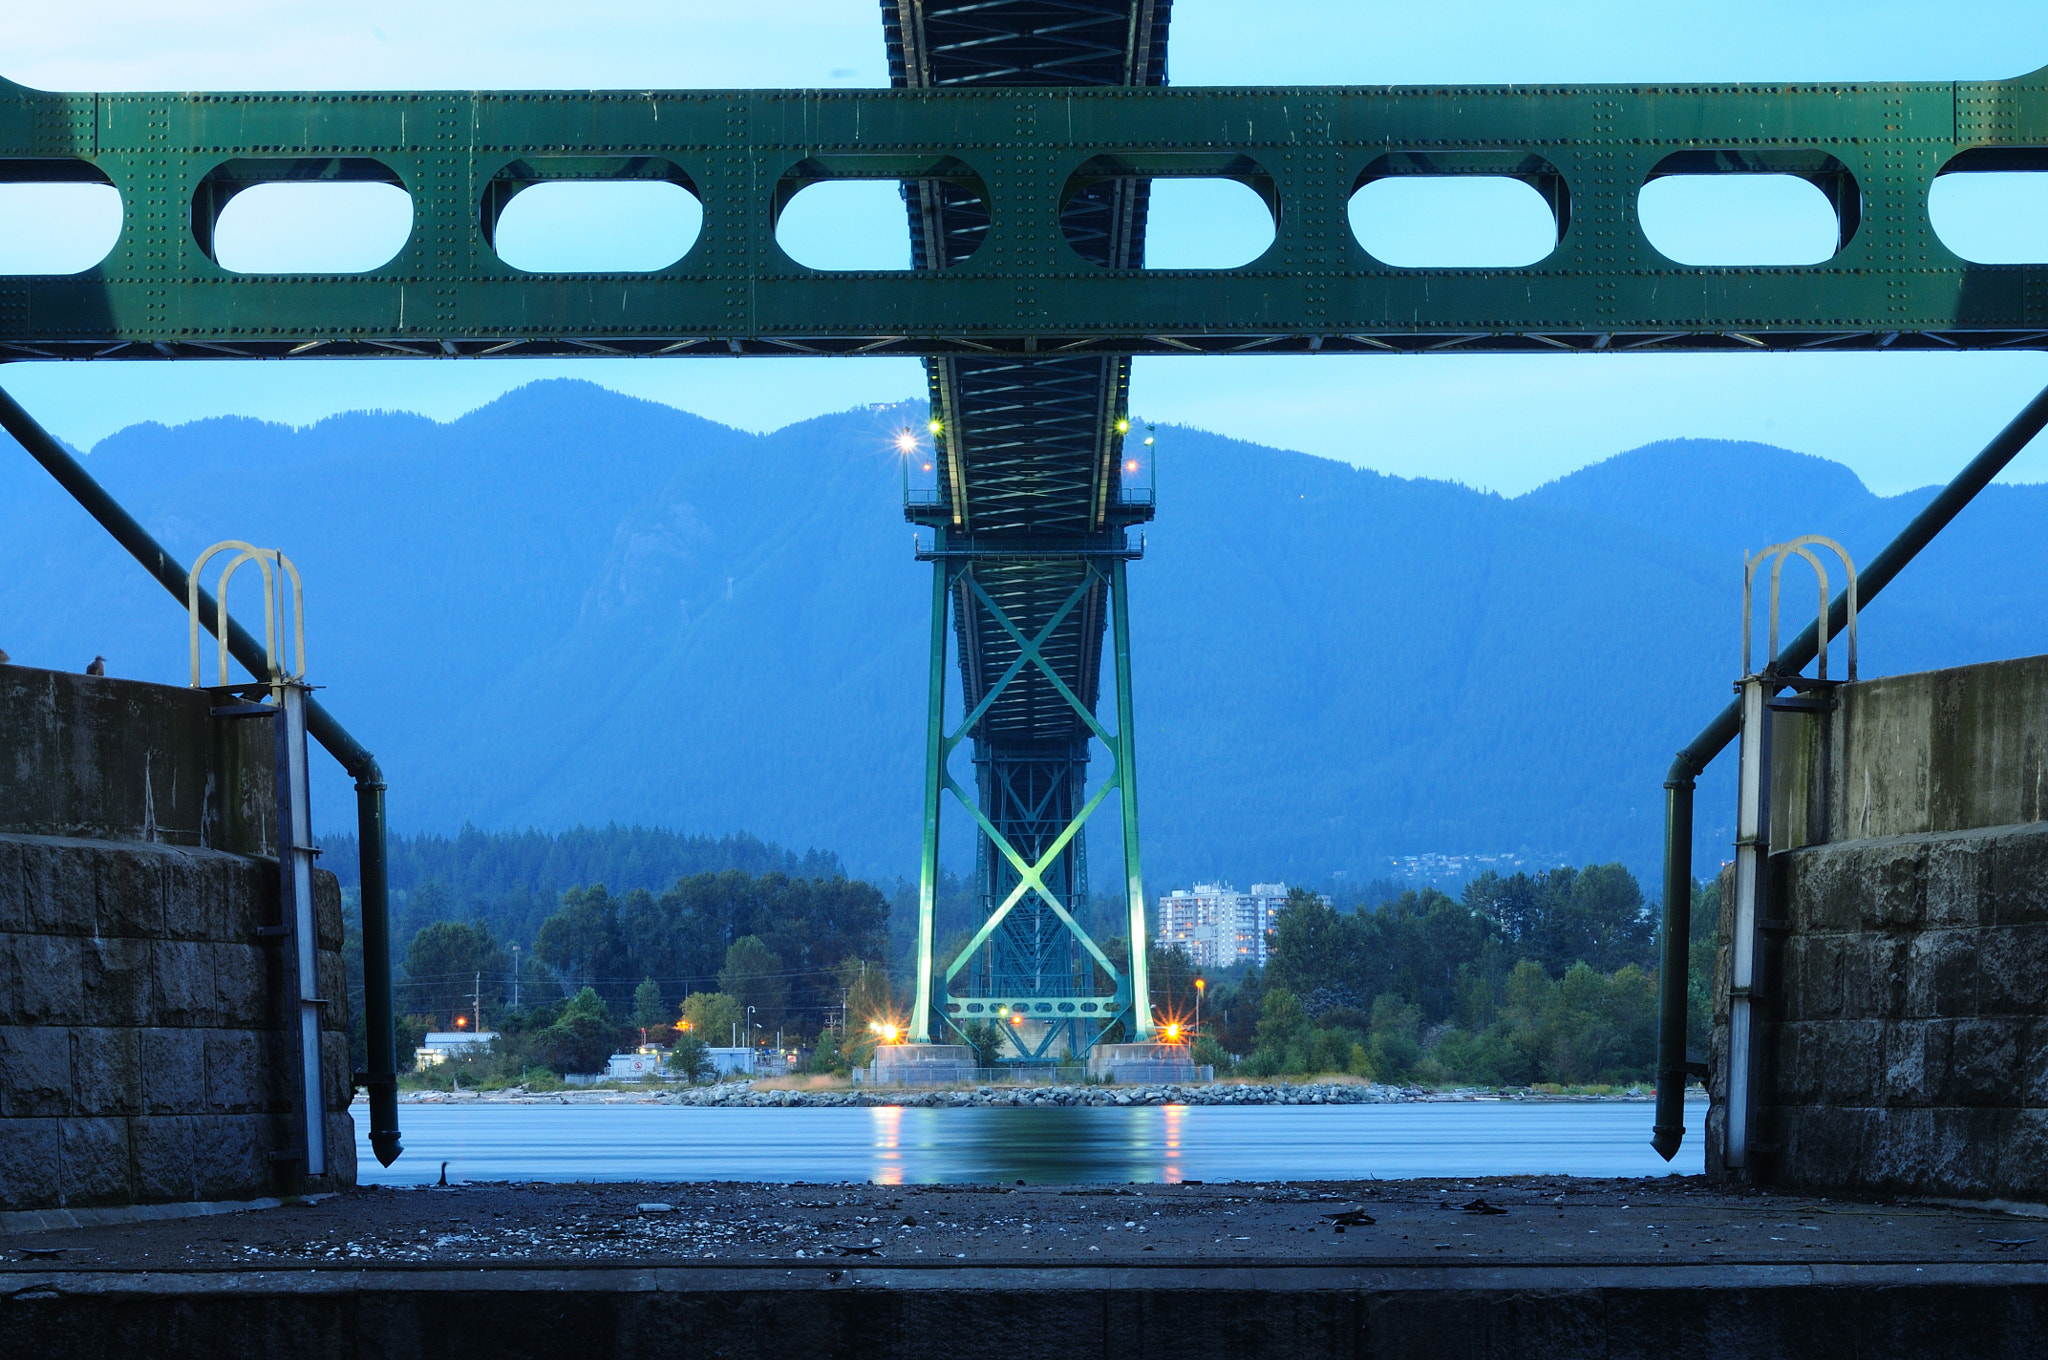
pixel 176 158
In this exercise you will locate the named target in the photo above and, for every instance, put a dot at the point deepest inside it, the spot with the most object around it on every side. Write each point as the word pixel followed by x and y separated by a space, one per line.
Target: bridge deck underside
pixel 1030 461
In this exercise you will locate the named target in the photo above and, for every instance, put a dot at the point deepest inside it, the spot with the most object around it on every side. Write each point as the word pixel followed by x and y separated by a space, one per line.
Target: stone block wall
pixel 1904 1040
pixel 143 1020
pixel 143 1048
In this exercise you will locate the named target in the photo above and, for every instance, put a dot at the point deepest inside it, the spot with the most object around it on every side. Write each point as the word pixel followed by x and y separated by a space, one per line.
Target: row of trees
pixel 1546 978
pixel 714 958
pixel 771 942
pixel 1526 979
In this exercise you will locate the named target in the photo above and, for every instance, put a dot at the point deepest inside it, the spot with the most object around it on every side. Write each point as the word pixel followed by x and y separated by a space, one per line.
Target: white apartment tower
pixel 1217 926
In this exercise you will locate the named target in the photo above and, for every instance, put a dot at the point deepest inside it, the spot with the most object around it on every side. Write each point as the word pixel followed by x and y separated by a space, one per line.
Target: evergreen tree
pixel 650 1012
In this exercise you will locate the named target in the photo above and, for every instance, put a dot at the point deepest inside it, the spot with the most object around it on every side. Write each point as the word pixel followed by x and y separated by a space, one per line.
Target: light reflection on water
pixel 894 1145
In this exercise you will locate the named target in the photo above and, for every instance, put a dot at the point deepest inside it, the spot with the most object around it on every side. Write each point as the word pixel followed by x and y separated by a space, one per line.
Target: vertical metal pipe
pixel 1672 1001
pixel 380 1081
pixel 934 765
pixel 320 725
pixel 1127 788
pixel 1975 476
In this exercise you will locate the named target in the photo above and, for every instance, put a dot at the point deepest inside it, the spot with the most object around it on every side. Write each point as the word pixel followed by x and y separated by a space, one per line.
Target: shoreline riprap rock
pixel 1016 1097
pixel 743 1095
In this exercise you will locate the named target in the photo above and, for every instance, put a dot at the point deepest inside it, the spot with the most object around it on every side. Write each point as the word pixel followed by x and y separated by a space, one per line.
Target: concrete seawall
pixel 142 1011
pixel 1904 1044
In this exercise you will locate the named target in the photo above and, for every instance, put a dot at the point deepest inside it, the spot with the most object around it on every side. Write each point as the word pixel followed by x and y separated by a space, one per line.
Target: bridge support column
pixel 934 767
pixel 1127 785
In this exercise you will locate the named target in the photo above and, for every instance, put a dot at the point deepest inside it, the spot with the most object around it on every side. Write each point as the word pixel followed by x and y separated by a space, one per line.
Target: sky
pixel 1506 423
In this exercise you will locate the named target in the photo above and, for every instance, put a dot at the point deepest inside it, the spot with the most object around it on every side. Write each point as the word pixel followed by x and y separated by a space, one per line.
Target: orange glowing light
pixel 1201 984
pixel 1131 466
pixel 1173 1032
pixel 460 1021
pixel 1016 1019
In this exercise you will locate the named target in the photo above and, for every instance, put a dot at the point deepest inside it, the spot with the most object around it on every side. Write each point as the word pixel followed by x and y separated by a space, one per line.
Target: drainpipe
pixel 1669 1131
pixel 382 1078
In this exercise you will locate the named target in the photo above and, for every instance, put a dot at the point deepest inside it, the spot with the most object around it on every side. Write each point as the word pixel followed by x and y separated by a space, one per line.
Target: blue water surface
pixel 1158 1143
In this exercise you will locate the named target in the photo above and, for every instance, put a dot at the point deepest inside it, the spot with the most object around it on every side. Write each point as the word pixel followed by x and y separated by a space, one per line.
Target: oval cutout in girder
pixel 1205 224
pixel 312 227
pixel 57 227
pixel 1460 221
pixel 1992 216
pixel 597 226
pixel 846 224
pixel 1739 218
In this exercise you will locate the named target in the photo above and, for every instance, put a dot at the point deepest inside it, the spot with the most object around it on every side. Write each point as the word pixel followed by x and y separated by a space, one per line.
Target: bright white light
pixel 1452 222
pixel 1738 219
pixel 629 226
pixel 57 228
pixel 312 228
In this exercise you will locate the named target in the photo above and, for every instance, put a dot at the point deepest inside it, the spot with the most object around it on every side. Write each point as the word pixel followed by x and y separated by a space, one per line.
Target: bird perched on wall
pixel 98 666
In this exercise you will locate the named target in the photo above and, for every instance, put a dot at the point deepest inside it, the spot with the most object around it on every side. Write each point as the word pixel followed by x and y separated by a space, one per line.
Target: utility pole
pixel 476 1001
pixel 515 977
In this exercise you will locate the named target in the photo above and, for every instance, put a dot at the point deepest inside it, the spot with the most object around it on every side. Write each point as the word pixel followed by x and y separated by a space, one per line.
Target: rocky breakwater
pixel 742 1094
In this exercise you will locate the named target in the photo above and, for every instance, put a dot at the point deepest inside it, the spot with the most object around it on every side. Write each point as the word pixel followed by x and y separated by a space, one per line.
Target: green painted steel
pixel 1028 501
pixel 934 767
pixel 1127 786
pixel 1067 1006
pixel 177 158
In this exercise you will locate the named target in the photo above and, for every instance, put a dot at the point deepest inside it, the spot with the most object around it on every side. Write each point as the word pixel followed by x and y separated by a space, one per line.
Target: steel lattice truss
pixel 1030 503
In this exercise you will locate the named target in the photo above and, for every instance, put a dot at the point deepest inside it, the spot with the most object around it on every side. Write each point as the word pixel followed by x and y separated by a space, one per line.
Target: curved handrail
pixel 1777 553
pixel 275 567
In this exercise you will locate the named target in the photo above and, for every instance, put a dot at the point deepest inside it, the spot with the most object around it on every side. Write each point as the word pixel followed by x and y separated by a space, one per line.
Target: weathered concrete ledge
pixel 1168 1309
pixel 1523 1267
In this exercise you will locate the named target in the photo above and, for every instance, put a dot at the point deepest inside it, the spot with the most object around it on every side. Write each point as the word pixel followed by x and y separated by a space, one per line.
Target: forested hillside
pixel 512 881
pixel 571 608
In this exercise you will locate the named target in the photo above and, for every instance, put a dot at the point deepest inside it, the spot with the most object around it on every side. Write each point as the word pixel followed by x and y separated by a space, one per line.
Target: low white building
pixel 1217 926
pixel 442 1044
pixel 637 1065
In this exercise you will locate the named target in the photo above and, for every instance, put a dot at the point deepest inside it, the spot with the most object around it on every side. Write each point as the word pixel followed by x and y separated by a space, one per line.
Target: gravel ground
pixel 1672 1219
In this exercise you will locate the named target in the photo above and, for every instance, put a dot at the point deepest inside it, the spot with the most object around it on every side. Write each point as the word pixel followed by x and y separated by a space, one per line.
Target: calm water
pixel 1145 1143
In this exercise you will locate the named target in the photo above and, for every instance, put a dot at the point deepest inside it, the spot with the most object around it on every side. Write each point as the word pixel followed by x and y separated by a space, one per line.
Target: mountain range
pixel 575 607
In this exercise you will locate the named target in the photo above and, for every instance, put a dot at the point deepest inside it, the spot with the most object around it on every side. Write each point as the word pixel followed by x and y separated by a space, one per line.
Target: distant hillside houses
pixel 1217 926
pixel 1439 871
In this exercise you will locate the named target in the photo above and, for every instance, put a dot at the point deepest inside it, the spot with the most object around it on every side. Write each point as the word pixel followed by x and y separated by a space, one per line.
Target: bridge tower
pixel 1029 539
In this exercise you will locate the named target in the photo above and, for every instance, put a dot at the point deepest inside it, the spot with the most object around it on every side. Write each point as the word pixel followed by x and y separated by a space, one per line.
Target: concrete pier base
pixel 922 1065
pixel 1141 1062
